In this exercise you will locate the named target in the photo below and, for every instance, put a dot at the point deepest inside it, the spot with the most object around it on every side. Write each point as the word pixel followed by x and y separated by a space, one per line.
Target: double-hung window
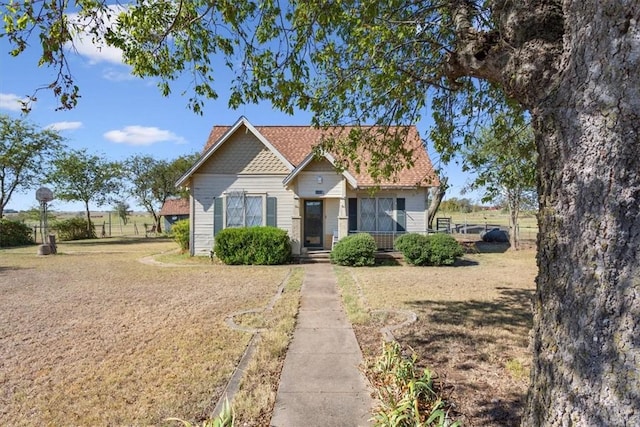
pixel 377 214
pixel 240 209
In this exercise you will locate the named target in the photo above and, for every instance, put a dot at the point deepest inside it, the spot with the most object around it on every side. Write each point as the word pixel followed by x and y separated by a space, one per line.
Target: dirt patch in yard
pixel 472 328
pixel 94 337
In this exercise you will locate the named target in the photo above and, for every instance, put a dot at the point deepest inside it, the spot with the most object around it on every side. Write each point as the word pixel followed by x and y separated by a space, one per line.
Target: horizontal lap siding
pixel 308 185
pixel 415 208
pixel 207 187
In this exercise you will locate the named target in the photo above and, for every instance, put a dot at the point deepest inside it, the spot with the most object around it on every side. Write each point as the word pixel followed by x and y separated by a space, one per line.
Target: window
pixel 253 211
pixel 243 210
pixel 377 214
pixel 385 214
pixel 238 209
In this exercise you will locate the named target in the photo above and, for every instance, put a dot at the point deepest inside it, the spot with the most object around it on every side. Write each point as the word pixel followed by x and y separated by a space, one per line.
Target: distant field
pixel 113 225
pixel 491 218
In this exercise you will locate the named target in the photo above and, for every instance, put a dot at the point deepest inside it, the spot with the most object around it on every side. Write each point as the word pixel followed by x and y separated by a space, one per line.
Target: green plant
pixel 73 229
pixel 356 250
pixel 407 397
pixel 444 249
pixel 414 248
pixel 226 418
pixel 180 233
pixel 253 245
pixel 434 249
pixel 14 233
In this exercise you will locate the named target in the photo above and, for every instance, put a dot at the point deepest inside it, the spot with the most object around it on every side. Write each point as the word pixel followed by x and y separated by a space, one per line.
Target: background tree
pixel 25 154
pixel 153 181
pixel 436 195
pixel 122 209
pixel 88 178
pixel 571 63
pixel 503 157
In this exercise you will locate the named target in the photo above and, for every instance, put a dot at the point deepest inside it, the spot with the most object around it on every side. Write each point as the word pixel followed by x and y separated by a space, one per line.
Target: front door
pixel 313 224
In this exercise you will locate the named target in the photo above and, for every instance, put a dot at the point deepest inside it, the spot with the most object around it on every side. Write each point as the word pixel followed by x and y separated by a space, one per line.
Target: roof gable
pixel 295 146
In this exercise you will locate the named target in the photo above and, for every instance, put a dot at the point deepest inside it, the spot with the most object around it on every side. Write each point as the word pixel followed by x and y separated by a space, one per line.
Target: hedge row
pixel 434 249
pixel 253 245
pixel 14 233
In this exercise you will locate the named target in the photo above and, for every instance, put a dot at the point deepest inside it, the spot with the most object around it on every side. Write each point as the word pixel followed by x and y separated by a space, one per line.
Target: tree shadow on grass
pixel 469 343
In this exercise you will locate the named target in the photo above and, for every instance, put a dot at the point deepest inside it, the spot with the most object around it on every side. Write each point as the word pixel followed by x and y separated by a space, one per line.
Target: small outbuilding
pixel 174 210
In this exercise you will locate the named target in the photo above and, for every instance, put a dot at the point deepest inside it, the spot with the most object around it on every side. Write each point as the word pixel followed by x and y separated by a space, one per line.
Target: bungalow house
pixel 173 210
pixel 268 175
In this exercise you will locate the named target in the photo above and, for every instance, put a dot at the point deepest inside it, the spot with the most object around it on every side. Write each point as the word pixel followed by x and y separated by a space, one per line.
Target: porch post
pixel 296 227
pixel 343 218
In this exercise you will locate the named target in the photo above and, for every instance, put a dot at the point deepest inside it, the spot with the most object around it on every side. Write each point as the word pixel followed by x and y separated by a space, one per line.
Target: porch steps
pixel 313 257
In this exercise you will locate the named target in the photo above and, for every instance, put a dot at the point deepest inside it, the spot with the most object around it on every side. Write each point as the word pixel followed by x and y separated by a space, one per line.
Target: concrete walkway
pixel 321 384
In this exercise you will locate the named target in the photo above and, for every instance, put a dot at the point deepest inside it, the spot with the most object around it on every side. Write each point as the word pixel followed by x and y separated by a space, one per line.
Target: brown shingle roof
pixel 297 142
pixel 175 207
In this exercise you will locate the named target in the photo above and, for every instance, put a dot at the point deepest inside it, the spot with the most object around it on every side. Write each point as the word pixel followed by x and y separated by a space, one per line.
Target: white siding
pixel 206 187
pixel 415 208
pixel 308 186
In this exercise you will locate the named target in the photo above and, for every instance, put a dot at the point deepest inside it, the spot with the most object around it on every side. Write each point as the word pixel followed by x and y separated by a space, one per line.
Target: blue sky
pixel 120 115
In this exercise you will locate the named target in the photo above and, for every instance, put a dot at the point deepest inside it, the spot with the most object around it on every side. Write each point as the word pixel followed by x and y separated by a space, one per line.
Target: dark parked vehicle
pixel 495 235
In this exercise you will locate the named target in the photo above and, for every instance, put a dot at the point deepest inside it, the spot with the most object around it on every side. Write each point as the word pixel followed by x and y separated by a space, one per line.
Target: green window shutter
pixel 272 204
pixel 353 214
pixel 401 216
pixel 218 215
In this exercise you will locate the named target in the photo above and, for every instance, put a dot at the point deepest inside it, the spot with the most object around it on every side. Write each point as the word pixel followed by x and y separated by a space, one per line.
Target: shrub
pixel 14 233
pixel 355 250
pixel 444 249
pixel 253 245
pixel 180 233
pixel 435 249
pixel 414 248
pixel 73 229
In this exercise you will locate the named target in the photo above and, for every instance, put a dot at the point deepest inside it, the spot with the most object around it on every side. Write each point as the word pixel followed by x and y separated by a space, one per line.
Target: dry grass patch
pixel 472 329
pixel 94 337
pixel 253 404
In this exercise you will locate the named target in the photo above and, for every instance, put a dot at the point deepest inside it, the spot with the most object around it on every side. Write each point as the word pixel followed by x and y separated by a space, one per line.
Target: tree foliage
pixel 152 181
pixel 83 177
pixel 503 157
pixel 25 155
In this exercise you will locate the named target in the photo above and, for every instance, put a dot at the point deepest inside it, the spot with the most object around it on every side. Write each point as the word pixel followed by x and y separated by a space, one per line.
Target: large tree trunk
pixel 586 366
pixel 437 194
pixel 575 64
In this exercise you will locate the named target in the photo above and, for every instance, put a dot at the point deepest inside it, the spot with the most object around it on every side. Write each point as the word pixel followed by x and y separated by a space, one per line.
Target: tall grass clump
pixel 408 397
pixel 356 250
pixel 253 245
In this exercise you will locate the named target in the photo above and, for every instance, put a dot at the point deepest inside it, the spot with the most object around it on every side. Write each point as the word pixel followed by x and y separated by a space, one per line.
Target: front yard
pixel 472 327
pixel 92 336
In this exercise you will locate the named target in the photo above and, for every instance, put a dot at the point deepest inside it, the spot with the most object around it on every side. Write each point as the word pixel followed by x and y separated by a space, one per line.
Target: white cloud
pixel 60 126
pixel 117 76
pixel 141 135
pixel 11 102
pixel 96 50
